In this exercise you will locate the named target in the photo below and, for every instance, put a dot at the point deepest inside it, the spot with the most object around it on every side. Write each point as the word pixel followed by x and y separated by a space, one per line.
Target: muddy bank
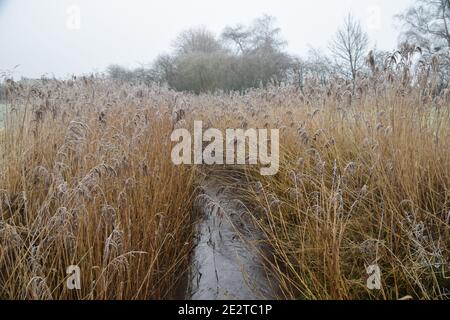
pixel 227 262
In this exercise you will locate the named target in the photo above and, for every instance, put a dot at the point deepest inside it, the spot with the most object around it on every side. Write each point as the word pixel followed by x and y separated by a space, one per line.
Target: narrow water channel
pixel 227 262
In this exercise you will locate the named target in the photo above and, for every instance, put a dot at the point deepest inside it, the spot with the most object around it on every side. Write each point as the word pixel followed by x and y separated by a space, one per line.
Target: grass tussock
pixel 86 179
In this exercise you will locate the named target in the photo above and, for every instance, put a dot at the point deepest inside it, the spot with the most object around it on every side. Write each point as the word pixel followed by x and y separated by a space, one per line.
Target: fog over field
pixel 42 37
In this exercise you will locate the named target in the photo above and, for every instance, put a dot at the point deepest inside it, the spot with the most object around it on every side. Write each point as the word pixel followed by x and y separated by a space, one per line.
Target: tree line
pixel 243 57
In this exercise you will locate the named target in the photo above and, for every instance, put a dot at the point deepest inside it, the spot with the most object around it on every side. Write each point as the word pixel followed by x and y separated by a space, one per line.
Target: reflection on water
pixel 226 263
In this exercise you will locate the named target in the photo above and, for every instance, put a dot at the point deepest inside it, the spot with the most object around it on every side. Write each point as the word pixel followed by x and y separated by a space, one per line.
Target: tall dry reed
pixel 86 179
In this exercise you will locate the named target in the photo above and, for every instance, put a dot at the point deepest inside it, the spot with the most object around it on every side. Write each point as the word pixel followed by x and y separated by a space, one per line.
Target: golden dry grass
pixel 363 181
pixel 360 187
pixel 86 178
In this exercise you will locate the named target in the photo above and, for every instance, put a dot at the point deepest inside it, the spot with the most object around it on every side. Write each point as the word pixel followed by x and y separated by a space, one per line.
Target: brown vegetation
pixel 86 178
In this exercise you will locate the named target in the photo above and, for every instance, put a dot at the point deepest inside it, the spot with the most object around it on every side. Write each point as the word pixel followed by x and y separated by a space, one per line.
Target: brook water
pixel 227 262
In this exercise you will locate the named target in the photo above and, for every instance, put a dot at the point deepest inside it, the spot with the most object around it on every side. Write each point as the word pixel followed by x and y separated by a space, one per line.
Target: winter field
pixel 228 168
pixel 87 180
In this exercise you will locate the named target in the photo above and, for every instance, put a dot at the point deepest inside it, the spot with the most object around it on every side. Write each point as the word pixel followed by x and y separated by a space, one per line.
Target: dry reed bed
pixel 362 182
pixel 86 179
pixel 364 179
pixel 359 188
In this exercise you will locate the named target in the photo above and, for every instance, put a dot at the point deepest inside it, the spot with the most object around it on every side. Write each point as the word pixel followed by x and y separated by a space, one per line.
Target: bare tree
pixel 427 24
pixel 163 69
pixel 239 36
pixel 262 35
pixel 349 48
pixel 319 66
pixel 119 73
pixel 260 57
pixel 265 35
pixel 197 40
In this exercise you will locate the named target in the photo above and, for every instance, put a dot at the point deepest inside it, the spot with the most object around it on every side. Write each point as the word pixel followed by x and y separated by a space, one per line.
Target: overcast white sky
pixel 63 37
